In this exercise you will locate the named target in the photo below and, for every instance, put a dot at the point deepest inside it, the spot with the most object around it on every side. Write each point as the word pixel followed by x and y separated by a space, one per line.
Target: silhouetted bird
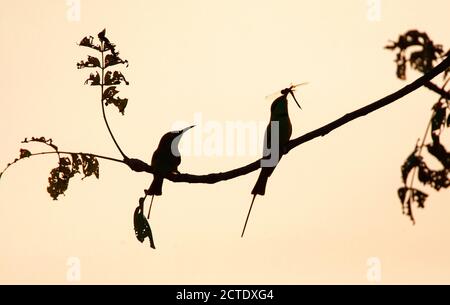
pixel 165 160
pixel 280 122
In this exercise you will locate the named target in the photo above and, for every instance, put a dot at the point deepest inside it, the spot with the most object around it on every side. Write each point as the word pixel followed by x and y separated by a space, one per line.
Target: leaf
pixel 415 195
pixel 109 98
pixel 92 62
pixel 94 79
pixel 115 78
pixel 113 59
pixel 439 152
pixel 402 193
pixel 107 45
pixel 401 67
pixel 67 168
pixel 411 162
pixel 90 165
pixel 436 179
pixel 421 60
pixel 24 153
pixel 120 103
pixel 76 163
pixel 419 197
pixel 88 42
pixel 141 226
pixel 110 92
pixel 438 118
pixel 59 178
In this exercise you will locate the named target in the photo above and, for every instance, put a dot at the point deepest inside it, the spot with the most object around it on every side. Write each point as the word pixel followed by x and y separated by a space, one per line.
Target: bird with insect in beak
pixel 277 134
pixel 165 160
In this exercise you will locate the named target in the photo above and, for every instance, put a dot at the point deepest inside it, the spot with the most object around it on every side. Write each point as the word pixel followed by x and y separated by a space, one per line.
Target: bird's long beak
pixel 186 129
pixel 292 93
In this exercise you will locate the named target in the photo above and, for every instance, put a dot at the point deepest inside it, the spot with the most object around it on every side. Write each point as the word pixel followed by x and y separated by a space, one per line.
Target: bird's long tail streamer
pixel 248 215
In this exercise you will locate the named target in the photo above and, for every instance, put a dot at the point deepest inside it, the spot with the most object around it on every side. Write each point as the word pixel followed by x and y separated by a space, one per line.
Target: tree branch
pixel 140 166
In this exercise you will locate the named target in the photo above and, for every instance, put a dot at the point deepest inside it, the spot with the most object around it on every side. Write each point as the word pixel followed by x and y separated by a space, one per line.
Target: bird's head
pixel 172 139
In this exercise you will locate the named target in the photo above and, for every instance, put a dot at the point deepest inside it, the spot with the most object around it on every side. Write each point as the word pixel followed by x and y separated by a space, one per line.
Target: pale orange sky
pixel 331 203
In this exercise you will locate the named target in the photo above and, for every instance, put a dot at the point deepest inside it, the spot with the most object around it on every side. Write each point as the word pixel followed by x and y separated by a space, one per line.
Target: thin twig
pixel 59 153
pixel 411 184
pixel 436 89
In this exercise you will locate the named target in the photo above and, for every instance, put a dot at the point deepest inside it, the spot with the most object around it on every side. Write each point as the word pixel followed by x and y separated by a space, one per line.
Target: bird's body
pixel 278 115
pixel 165 160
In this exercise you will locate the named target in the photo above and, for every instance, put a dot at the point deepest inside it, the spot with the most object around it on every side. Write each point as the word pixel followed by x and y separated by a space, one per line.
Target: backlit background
pixel 331 204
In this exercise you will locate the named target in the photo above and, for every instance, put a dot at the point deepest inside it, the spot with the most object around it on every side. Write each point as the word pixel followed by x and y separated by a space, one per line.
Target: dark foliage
pixel 423 60
pixel 141 226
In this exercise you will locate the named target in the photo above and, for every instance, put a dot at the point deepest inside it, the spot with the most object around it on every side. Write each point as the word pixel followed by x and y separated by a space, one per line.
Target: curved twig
pixel 102 50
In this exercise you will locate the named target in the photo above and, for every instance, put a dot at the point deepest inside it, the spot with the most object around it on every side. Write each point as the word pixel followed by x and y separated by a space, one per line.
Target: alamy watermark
pixel 231 138
pixel 73 13
pixel 73 273
pixel 373 270
pixel 374 10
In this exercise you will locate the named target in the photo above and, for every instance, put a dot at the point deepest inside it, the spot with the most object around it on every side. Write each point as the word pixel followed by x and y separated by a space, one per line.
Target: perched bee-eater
pixel 281 125
pixel 165 160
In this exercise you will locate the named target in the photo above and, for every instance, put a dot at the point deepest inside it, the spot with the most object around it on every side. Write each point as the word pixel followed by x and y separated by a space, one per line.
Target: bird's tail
pixel 156 186
pixel 260 185
pixel 248 215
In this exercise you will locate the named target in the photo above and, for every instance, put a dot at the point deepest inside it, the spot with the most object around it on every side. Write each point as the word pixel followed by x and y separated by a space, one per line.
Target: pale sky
pixel 331 204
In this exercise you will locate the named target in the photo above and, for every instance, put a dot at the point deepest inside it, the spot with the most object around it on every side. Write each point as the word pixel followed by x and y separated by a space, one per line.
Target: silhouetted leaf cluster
pixel 437 179
pixel 105 78
pixel 67 168
pixel 141 226
pixel 422 60
pixel 58 180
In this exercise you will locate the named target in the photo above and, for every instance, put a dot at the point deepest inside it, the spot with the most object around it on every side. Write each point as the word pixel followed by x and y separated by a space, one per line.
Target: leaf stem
pixel 70 153
pixel 411 184
pixel 102 50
